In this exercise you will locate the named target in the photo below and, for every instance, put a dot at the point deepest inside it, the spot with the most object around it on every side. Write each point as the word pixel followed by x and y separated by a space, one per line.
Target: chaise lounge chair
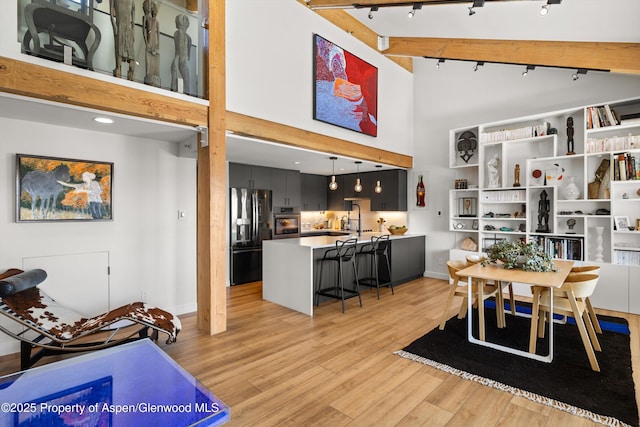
pixel 51 328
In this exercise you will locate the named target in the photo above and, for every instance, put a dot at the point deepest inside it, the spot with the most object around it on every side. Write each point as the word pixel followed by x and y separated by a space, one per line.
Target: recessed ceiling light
pixel 104 120
pixel 296 163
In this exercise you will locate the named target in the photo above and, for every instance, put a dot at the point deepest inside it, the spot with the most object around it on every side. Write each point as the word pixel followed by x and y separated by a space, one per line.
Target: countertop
pixel 315 242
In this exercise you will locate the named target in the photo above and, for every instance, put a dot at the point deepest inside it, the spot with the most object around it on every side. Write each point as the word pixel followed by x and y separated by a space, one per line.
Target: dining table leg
pixel 480 309
pixel 533 335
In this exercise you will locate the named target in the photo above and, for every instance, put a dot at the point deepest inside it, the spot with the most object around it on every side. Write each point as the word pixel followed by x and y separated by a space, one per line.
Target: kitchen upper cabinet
pixel 287 187
pixel 394 190
pixel 249 176
pixel 314 192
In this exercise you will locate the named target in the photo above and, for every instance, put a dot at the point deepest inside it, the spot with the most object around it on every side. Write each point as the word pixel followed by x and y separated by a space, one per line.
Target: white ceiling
pixel 21 108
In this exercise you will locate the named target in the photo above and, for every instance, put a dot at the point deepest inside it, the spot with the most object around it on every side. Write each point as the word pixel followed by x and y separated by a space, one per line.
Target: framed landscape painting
pixel 55 189
pixel 345 90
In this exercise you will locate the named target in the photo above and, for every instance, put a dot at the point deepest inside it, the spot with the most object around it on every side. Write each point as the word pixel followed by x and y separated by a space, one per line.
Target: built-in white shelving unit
pixel 526 180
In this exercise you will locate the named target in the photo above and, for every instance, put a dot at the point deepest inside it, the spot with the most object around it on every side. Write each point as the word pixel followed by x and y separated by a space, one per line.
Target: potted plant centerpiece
pixel 518 254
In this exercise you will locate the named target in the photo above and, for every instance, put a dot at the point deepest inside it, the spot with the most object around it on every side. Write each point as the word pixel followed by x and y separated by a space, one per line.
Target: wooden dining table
pixel 496 273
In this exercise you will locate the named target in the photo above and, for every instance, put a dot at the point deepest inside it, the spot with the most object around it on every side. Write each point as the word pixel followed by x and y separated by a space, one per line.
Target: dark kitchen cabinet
pixel 249 176
pixel 407 258
pixel 287 187
pixel 394 190
pixel 314 192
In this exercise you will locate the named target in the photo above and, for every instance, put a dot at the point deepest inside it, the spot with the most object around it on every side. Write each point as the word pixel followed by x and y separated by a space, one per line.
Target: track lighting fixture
pixel 546 7
pixel 374 8
pixel 378 187
pixel 440 61
pixel 476 3
pixel 529 68
pixel 358 186
pixel 416 6
pixel 579 71
pixel 478 64
pixel 333 185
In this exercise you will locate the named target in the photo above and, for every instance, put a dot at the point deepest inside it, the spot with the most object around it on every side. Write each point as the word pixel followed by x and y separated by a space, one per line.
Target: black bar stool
pixel 344 252
pixel 376 250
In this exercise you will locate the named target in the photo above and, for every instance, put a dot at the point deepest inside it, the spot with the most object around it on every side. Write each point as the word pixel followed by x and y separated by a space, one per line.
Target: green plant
pixel 518 254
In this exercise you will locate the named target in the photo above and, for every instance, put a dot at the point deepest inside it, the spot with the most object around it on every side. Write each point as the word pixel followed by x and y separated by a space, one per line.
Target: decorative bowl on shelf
pixel 397 230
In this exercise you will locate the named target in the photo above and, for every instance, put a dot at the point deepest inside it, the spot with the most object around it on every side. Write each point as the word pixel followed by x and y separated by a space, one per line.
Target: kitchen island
pixel 290 266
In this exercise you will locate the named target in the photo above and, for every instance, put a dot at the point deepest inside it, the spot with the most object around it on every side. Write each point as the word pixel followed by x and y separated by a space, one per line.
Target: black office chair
pixel 344 252
pixel 376 251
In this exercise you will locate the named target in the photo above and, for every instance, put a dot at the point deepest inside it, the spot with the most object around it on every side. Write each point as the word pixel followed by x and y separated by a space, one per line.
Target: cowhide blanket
pixel 35 306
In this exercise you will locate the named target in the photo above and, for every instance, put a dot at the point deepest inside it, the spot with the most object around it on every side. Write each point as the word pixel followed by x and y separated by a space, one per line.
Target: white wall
pixel 455 96
pixel 148 247
pixel 270 72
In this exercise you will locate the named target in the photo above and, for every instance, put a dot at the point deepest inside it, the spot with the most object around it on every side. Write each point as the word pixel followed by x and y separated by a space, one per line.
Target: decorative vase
pixel 599 244
pixel 571 190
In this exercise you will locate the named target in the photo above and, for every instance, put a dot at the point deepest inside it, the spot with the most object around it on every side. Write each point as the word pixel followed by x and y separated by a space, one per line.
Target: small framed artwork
pixel 622 222
pixel 467 206
pixel 474 225
pixel 57 189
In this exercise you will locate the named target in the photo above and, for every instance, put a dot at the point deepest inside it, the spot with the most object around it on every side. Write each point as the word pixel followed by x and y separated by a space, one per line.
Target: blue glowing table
pixel 134 384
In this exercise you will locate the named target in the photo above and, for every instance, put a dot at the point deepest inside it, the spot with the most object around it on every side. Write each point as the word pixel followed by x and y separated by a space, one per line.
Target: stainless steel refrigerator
pixel 250 225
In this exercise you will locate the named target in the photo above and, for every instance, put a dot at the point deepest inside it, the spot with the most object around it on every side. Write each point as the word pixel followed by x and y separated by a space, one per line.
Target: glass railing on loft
pixel 152 42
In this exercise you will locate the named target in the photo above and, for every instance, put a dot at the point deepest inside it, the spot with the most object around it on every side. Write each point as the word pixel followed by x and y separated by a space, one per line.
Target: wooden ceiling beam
pixel 243 125
pixel 606 56
pixel 36 81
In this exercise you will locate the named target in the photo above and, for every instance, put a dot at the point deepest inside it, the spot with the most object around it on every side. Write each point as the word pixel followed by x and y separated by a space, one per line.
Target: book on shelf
pixel 626 257
pixel 601 116
pixel 570 248
pixel 626 167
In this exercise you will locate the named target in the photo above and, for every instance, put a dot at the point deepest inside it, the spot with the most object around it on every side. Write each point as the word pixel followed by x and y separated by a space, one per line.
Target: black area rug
pixel 568 383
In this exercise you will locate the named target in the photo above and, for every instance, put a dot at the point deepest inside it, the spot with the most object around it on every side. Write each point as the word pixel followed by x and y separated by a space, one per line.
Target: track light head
pixel 478 64
pixel 416 6
pixel 476 3
pixel 373 9
pixel 546 7
pixel 529 68
pixel 579 71
pixel 440 61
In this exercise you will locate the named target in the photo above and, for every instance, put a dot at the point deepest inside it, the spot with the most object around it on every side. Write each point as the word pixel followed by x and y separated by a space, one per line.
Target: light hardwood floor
pixel 276 367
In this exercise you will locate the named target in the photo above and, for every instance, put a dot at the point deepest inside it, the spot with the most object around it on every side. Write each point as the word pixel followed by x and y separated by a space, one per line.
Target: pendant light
pixel 333 185
pixel 358 186
pixel 378 187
